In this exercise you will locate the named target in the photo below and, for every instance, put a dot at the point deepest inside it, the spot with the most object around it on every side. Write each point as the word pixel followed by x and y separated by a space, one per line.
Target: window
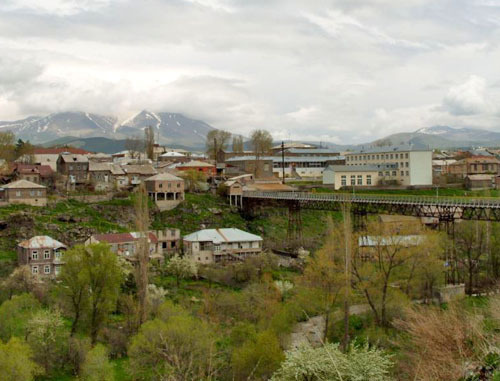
pixel 360 179
pixel 34 254
pixel 57 270
pixel 70 167
pixel 407 173
pixel 402 164
pixel 406 164
pixel 387 173
pixel 57 255
pixel 178 185
pixel 402 173
pixel 46 254
pixel 381 173
pixel 216 247
pixel 18 193
pixel 34 269
pixel 368 179
pixel 46 269
pixel 353 180
pixel 392 156
pixel 394 173
pixel 378 157
pixel 343 180
pixel 160 185
pixel 406 155
pixel 397 156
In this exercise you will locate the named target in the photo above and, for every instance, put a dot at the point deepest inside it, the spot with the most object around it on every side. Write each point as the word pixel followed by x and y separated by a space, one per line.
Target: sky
pixel 345 71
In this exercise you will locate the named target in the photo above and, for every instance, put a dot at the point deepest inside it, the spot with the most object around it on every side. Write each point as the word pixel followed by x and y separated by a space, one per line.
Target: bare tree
pixel 238 143
pixel 262 142
pixel 142 253
pixel 217 140
pixel 134 145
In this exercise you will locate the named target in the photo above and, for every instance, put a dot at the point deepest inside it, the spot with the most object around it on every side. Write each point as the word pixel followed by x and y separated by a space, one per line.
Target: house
pixel 174 157
pixel 198 166
pixel 441 166
pixel 218 245
pixel 74 167
pixel 165 189
pixel 107 176
pixel 36 173
pixel 411 166
pixel 43 254
pixel 476 182
pixel 329 176
pixel 136 173
pixel 475 165
pixel 49 156
pixel 24 192
pixel 161 243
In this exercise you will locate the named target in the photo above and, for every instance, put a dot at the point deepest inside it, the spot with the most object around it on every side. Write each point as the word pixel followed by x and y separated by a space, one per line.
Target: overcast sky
pixel 342 71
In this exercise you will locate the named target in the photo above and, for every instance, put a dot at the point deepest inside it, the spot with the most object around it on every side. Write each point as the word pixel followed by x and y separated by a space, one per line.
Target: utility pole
pixel 347 271
pixel 215 158
pixel 283 160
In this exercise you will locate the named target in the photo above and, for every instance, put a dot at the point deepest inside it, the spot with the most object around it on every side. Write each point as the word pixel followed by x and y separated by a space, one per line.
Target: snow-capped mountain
pixel 170 128
pixel 446 137
pixel 53 126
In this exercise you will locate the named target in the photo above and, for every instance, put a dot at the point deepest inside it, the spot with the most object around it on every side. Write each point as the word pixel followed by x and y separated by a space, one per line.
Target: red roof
pixel 57 151
pixel 122 237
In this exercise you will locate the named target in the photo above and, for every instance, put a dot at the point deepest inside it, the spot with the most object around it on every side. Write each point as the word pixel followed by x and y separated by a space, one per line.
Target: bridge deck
pixel 463 202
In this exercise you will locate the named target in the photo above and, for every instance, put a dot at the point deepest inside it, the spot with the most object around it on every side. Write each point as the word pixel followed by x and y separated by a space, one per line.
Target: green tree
pixel 257 358
pixel 329 363
pixel 181 268
pixel 16 361
pixel 217 140
pixel 174 346
pixel 193 179
pixel 261 142
pixel 15 313
pixel 90 282
pixel 7 147
pixel 97 366
pixel 149 142
pixel 48 338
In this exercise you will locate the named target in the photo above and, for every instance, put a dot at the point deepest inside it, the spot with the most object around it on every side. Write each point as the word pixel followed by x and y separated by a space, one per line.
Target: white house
pixel 217 245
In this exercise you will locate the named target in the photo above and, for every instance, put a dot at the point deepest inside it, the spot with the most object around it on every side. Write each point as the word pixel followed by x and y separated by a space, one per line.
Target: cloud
pixel 468 98
pixel 333 70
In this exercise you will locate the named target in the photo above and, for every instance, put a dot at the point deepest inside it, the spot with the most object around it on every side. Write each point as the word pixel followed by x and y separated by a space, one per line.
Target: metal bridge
pixel 444 209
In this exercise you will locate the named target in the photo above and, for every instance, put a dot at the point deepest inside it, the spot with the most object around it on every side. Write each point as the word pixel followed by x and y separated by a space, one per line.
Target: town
pixel 254 215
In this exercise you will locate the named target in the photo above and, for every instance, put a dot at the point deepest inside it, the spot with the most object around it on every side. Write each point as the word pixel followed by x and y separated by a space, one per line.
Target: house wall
pixel 35 197
pixel 359 181
pixel 39 263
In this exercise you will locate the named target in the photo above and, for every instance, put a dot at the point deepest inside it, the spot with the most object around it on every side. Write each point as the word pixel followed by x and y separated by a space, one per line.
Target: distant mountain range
pixel 107 134
pixel 170 128
pixel 445 137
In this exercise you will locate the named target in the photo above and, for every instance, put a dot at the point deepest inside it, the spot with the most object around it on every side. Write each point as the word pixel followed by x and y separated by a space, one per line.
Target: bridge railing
pixel 393 199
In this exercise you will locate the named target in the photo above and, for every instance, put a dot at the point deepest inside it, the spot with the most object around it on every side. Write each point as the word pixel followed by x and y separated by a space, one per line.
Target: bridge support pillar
pixel 294 234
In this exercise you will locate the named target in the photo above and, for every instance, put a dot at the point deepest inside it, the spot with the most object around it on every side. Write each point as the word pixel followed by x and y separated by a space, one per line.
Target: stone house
pixel 477 182
pixel 137 173
pixel 43 254
pixel 24 192
pixel 161 243
pixel 220 245
pixel 165 189
pixel 107 176
pixel 39 174
pixel 49 156
pixel 198 166
pixel 74 167
pixel 475 165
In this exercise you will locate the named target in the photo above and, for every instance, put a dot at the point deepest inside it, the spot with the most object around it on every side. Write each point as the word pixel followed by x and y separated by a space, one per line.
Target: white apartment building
pixel 218 245
pixel 404 164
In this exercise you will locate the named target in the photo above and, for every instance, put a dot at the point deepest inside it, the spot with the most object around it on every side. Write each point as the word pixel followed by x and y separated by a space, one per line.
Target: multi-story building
pixel 137 173
pixel 409 166
pixel 218 245
pixel 107 176
pixel 74 167
pixel 165 189
pixel 43 254
pixel 24 192
pixel 49 156
pixel 161 243
pixel 198 166
pixel 475 165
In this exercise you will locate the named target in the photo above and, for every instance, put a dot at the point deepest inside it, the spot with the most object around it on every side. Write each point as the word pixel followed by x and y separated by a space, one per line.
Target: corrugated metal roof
pixel 401 240
pixel 389 149
pixel 288 159
pixel 122 237
pixel 23 184
pixel 74 158
pixel 40 242
pixel 222 235
pixel 195 163
pixel 163 176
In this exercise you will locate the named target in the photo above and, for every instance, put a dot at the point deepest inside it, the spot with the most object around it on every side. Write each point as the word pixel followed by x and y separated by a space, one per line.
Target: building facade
pixel 24 192
pixel 410 166
pixel 220 245
pixel 165 189
pixel 74 167
pixel 43 255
